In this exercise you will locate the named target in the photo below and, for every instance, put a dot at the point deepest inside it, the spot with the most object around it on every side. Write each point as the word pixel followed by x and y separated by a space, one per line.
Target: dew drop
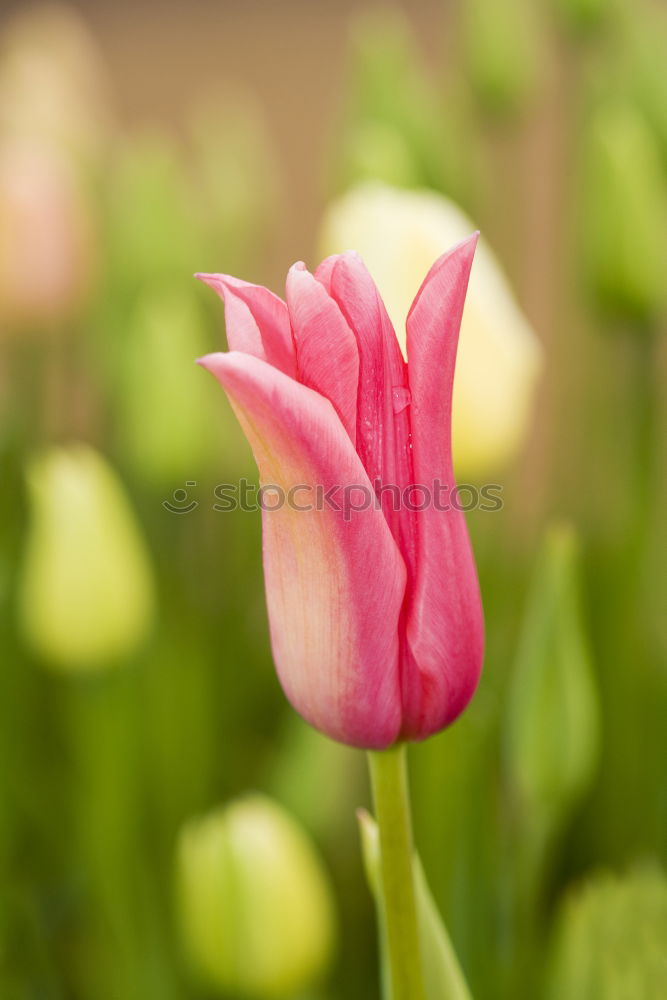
pixel 400 398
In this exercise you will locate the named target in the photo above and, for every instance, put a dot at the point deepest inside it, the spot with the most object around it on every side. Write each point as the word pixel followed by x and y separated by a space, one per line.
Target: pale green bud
pixel 86 593
pixel 584 15
pixel 501 47
pixel 644 45
pixel 237 179
pixel 611 939
pixel 255 904
pixel 394 128
pixel 167 437
pixel 153 229
pixel 377 150
pixel 552 727
pixel 623 212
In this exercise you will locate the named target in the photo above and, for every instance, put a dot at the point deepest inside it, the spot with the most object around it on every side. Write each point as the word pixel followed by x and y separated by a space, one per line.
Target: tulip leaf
pixel 443 978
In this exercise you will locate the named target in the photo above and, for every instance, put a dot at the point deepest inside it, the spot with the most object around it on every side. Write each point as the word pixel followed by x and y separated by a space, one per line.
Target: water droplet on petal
pixel 400 397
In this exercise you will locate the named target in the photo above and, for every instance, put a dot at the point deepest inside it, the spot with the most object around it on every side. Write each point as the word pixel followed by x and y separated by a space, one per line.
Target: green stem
pixel 398 910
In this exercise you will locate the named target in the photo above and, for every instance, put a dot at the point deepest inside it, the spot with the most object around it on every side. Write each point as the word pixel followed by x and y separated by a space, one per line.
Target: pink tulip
pixel 375 614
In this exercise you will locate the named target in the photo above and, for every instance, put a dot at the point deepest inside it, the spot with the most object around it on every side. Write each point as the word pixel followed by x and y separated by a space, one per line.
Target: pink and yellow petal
pixel 334 620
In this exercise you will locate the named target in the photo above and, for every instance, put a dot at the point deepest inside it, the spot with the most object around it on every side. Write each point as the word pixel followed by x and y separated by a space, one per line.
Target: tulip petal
pixel 326 349
pixel 257 321
pixel 383 421
pixel 324 270
pixel 334 584
pixel 444 625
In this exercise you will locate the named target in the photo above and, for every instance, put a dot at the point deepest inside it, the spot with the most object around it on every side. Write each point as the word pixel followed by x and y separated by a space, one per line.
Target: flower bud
pixel 46 237
pixel 623 212
pixel 583 15
pixel 86 594
pixel 165 436
pixel 394 134
pixel 552 735
pixel 255 904
pixel 645 44
pixel 610 940
pixel 237 178
pixel 398 233
pixel 501 51
pixel 153 231
pixel 53 88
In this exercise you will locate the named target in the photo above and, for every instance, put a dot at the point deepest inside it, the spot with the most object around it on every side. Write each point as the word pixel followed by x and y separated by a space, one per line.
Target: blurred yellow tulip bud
pixel 623 209
pixel 46 238
pixel 86 594
pixel 400 234
pixel 610 940
pixel 552 727
pixel 255 904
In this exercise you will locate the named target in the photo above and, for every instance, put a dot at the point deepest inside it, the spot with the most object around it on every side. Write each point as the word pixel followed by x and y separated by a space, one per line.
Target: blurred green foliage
pixel 556 143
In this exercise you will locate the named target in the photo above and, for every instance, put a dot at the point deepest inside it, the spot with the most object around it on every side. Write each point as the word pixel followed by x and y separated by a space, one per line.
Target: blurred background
pixel 168 827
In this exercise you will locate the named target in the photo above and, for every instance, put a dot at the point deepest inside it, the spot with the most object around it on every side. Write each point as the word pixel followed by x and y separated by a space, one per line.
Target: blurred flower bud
pixel 153 231
pixel 393 134
pixel 610 940
pixel 623 210
pixel 237 178
pixel 376 150
pixel 399 234
pixel 645 44
pixel 502 51
pixel 583 15
pixel 255 904
pixel 46 238
pixel 164 435
pixel 86 595
pixel 52 86
pixel 552 726
pixel 304 762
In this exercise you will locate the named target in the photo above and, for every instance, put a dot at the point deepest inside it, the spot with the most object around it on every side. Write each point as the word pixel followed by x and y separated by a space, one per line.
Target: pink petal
pixel 445 630
pixel 334 586
pixel 257 321
pixel 326 350
pixel 383 421
pixel 324 270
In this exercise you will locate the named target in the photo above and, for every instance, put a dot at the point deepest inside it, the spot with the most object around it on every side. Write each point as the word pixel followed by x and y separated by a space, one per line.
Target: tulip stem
pixel 397 908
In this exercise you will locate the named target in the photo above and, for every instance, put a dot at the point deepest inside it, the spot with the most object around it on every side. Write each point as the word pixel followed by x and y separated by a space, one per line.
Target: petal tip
pixel 210 361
